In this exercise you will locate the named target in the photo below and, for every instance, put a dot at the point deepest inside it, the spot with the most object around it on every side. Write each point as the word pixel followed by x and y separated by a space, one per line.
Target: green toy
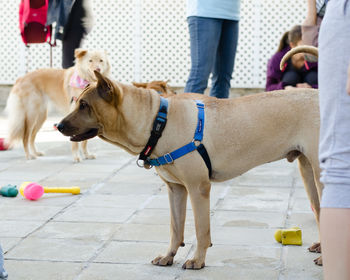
pixel 9 191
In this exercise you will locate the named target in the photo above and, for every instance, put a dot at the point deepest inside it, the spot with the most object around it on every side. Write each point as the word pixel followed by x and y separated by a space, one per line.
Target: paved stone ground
pixel 120 222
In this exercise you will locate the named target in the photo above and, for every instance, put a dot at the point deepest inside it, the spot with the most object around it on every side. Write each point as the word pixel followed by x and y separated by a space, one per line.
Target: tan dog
pixel 239 134
pixel 27 102
pixel 161 87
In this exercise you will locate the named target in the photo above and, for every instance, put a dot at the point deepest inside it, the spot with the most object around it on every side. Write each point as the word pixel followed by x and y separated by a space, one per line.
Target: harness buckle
pixel 140 164
pixel 145 164
pixel 196 142
pixel 168 156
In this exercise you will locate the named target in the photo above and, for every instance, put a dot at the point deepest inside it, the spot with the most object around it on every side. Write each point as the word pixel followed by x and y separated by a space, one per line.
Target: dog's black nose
pixel 60 127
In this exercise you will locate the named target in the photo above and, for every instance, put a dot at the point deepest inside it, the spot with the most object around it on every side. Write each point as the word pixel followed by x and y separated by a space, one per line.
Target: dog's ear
pixel 140 85
pixel 78 53
pixel 104 87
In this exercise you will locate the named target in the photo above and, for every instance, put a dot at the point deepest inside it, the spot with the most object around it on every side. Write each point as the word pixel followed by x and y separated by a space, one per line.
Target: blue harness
pixel 195 144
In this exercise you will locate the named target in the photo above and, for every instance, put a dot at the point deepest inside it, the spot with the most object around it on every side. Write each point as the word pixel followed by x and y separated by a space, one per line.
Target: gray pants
pixel 334 150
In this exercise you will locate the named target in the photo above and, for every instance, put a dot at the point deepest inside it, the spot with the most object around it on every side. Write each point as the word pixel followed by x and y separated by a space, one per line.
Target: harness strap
pixel 190 147
pixel 157 130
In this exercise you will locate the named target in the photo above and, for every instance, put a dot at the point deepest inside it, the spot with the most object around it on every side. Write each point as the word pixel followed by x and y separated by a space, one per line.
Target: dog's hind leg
pixel 86 153
pixel 311 181
pixel 38 124
pixel 178 200
pixel 200 200
pixel 28 128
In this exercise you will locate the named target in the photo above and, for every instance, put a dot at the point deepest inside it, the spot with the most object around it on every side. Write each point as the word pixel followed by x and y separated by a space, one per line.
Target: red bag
pixel 32 21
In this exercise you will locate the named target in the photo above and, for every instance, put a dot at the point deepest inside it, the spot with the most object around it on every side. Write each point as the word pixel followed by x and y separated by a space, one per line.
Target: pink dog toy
pixel 34 191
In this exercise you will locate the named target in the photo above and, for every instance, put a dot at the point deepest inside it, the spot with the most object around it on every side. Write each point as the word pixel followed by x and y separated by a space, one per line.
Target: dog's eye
pixel 90 60
pixel 82 105
pixel 101 60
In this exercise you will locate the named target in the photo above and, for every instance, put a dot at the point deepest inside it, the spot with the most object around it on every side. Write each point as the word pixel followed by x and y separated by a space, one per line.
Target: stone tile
pixel 251 219
pixel 28 212
pixel 130 188
pixel 54 249
pixel 18 228
pixel 42 270
pixel 138 252
pixel 253 199
pixel 229 273
pixel 300 265
pixel 119 201
pixel 77 230
pixel 150 233
pixel 241 258
pixel 158 217
pixel 301 205
pixel 243 236
pixel 8 243
pixel 268 180
pixel 105 271
pixel 92 214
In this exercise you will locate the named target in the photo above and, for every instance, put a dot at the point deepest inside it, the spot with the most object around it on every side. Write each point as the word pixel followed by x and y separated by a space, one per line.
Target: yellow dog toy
pixel 34 191
pixel 290 236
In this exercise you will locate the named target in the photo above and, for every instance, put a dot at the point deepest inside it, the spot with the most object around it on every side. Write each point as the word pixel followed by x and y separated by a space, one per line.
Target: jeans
pixel 3 273
pixel 213 49
pixel 293 76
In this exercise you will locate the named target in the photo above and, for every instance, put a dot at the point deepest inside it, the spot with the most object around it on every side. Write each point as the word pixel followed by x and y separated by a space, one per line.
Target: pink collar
pixel 77 82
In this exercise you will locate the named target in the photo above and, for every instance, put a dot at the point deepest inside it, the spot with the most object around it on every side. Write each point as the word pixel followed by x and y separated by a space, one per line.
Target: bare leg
pixel 335 236
pixel 86 153
pixel 178 200
pixel 200 199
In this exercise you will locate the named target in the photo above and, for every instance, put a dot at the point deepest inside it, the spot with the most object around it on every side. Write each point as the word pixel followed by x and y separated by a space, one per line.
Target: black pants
pixel 74 31
pixel 293 76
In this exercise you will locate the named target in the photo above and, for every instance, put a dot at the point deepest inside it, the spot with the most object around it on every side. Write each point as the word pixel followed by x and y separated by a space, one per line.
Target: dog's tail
pixel 16 120
pixel 305 49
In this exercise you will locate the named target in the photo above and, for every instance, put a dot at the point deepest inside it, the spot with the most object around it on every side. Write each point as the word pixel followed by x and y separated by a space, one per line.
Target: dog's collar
pixel 77 82
pixel 156 133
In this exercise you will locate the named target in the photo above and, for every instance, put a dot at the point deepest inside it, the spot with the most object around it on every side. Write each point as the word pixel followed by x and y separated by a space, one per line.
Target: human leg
pixel 74 32
pixel 225 59
pixel 310 77
pixel 334 147
pixel 291 77
pixel 204 39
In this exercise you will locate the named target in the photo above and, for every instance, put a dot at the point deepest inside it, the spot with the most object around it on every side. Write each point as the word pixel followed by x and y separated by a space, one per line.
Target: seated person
pixel 297 72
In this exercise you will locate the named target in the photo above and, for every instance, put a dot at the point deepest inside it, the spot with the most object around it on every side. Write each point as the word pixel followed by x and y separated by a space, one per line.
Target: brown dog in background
pixel 27 103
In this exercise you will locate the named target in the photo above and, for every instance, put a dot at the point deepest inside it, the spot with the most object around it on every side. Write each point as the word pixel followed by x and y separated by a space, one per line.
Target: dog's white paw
pixel 163 261
pixel 90 156
pixel 76 159
pixel 30 157
pixel 193 264
pixel 39 154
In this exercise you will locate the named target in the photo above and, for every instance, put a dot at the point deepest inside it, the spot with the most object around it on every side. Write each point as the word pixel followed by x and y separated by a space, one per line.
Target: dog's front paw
pixel 163 261
pixel 90 156
pixel 30 157
pixel 193 264
pixel 318 261
pixel 76 159
pixel 315 247
pixel 39 154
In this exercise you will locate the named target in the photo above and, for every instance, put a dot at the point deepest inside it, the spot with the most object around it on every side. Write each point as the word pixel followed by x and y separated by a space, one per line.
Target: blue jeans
pixel 213 50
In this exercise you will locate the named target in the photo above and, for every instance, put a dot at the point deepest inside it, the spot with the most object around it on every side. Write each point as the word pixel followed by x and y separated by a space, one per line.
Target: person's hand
pixel 289 87
pixel 303 85
pixel 348 81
